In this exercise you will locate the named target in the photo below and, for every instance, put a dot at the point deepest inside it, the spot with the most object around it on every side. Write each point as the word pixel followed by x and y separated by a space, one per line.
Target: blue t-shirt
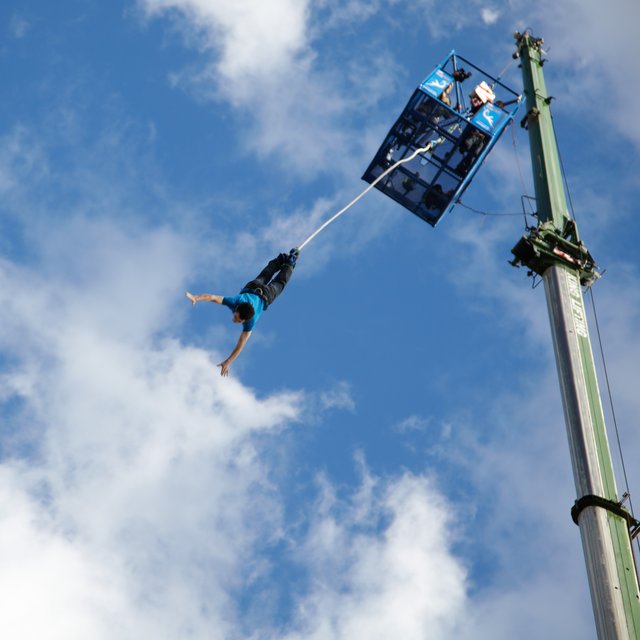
pixel 255 301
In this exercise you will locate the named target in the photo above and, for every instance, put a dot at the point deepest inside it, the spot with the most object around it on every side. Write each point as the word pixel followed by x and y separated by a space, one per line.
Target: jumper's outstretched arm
pixel 204 297
pixel 242 340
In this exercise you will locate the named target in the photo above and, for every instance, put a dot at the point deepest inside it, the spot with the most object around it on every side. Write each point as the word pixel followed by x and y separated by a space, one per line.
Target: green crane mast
pixel 554 251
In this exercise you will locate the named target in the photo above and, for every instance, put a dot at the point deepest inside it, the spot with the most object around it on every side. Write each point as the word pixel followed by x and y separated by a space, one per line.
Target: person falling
pixel 254 298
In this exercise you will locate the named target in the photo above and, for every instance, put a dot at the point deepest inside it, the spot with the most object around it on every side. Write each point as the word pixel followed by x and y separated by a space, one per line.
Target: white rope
pixel 426 149
pixel 504 70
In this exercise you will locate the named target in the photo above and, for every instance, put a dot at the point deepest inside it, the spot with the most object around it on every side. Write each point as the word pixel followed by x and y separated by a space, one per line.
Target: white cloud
pixel 400 580
pixel 412 423
pixel 489 16
pixel 143 495
pixel 50 587
pixel 341 11
pixel 595 74
pixel 132 494
pixel 339 397
pixel 19 26
pixel 21 156
pixel 250 39
pixel 261 60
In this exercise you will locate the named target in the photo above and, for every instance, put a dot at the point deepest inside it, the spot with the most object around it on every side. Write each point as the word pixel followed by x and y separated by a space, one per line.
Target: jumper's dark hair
pixel 245 311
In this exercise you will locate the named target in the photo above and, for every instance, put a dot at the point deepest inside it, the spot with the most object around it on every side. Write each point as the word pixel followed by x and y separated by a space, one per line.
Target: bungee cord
pixel 385 173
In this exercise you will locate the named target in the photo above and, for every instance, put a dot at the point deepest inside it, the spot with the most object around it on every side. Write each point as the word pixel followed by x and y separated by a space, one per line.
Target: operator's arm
pixel 242 340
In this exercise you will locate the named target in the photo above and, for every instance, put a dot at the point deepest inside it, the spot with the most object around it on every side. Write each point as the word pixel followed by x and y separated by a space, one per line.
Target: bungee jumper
pixel 254 298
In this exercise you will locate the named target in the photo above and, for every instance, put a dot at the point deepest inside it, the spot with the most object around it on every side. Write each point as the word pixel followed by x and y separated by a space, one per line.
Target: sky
pixel 388 456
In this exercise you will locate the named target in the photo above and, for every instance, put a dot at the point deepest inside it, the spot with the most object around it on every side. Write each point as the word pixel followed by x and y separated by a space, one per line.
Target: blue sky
pixel 388 457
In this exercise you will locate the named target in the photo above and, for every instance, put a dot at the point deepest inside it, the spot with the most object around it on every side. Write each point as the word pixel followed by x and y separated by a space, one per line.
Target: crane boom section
pixel 554 250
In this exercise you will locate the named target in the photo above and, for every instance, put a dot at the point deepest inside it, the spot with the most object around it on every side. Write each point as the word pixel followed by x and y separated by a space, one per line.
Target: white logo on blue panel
pixel 436 83
pixel 487 118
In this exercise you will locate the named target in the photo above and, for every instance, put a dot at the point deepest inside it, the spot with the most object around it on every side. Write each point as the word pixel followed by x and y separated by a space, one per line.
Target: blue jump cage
pixel 456 127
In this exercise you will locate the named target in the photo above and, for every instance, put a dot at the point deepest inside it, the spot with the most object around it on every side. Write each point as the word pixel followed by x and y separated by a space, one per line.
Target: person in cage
pixel 471 145
pixel 409 182
pixel 472 141
pixel 436 199
pixel 254 298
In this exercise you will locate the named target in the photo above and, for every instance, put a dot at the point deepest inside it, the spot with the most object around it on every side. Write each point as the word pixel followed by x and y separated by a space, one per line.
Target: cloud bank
pixel 143 495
